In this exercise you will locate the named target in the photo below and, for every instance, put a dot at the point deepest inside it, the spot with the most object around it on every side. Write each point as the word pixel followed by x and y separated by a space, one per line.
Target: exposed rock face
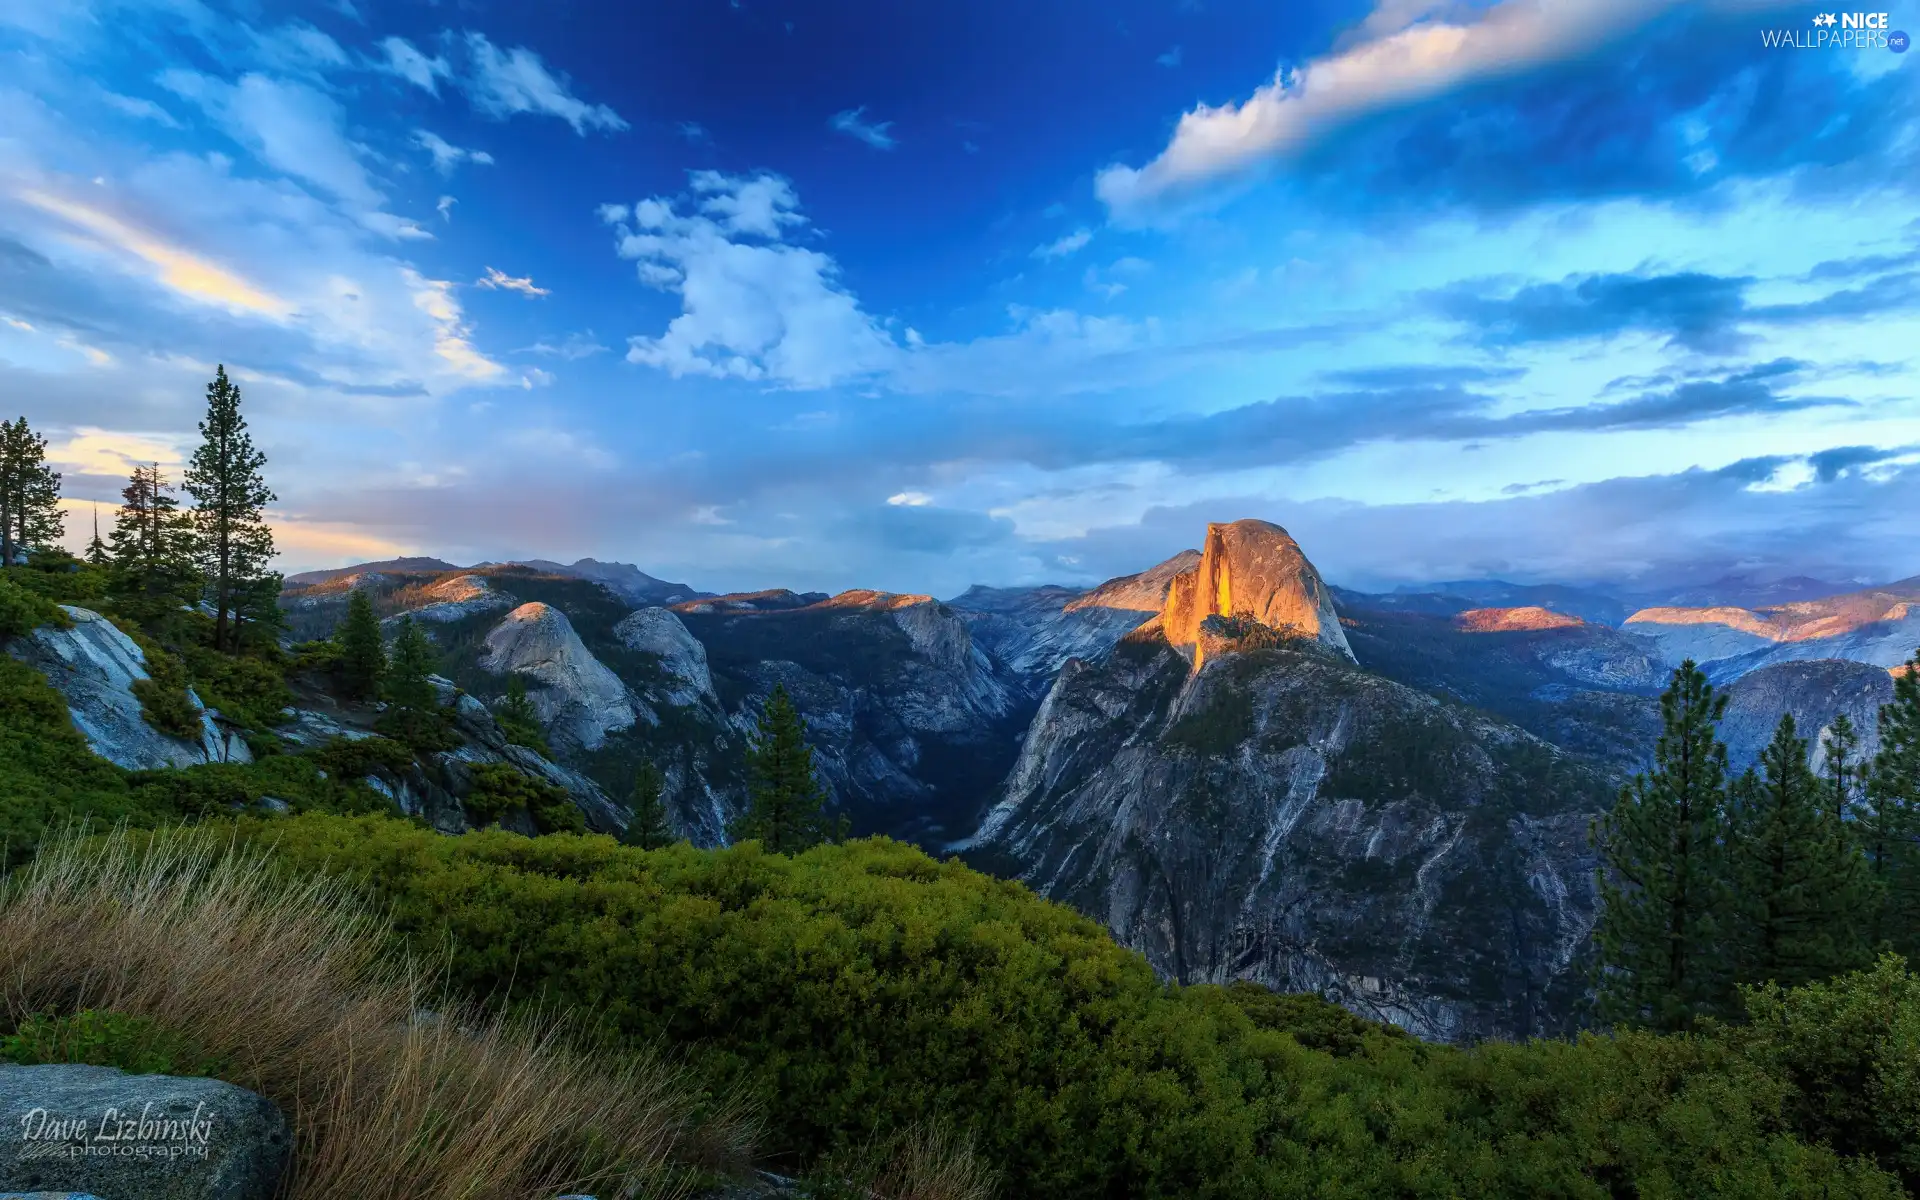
pixel 579 699
pixel 1281 816
pixel 1876 625
pixel 454 598
pixel 912 724
pixel 1254 569
pixel 1514 620
pixel 1815 693
pixel 95 666
pixel 436 786
pixel 1034 631
pixel 770 600
pixel 658 631
pixel 209 1140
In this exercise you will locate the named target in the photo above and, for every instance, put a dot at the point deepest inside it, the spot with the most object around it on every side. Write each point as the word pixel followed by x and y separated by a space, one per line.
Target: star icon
pixel 1824 19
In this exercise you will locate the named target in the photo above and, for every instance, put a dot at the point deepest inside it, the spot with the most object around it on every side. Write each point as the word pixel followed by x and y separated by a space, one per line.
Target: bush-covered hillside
pixel 860 988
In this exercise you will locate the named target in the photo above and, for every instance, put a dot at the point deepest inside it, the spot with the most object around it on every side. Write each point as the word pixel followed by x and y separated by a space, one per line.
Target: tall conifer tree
pixel 232 540
pixel 1800 885
pixel 363 656
pixel 648 829
pixel 413 659
pixel 1890 821
pixel 30 516
pixel 1663 882
pixel 150 546
pixel 787 808
pixel 96 549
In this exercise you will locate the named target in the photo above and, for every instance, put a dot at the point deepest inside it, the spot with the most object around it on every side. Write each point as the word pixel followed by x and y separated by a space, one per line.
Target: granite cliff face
pixel 94 666
pixel 912 723
pixel 1880 626
pixel 578 698
pixel 1815 693
pixel 1250 569
pixel 1034 631
pixel 1278 814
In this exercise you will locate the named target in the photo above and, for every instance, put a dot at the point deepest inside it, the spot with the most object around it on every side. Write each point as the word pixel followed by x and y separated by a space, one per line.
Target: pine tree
pixel 149 547
pixel 648 829
pixel 518 718
pixel 1800 886
pixel 1890 822
pixel 363 656
pixel 30 516
pixel 1663 883
pixel 786 808
pixel 412 661
pixel 256 611
pixel 1844 774
pixel 232 540
pixel 96 549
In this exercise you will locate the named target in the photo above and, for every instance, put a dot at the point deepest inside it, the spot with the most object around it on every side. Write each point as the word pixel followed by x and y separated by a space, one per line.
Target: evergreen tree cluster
pixel 1712 883
pixel 30 516
pixel 786 809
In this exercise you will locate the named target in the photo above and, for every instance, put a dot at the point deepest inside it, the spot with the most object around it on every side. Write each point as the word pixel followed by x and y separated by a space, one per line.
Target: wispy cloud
pixel 1064 246
pixel 444 206
pixel 573 346
pixel 446 155
pixel 852 122
pixel 1170 59
pixel 184 272
pixel 498 279
pixel 146 110
pixel 504 82
pixel 1404 54
pixel 405 60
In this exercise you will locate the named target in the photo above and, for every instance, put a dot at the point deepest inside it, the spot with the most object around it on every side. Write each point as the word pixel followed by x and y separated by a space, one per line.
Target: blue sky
pixel 914 296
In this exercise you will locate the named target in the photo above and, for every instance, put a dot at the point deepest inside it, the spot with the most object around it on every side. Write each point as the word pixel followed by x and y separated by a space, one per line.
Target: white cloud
pixel 1170 59
pixel 497 279
pixel 534 377
pixel 300 48
pixel 762 310
pixel 873 133
pixel 910 499
pixel 502 83
pixel 289 126
pixel 446 155
pixel 406 60
pixel 570 348
pixel 1400 56
pixel 444 206
pixel 1064 246
pixel 146 110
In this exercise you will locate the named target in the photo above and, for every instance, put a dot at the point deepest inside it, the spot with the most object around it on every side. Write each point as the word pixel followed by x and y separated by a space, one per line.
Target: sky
pixel 855 293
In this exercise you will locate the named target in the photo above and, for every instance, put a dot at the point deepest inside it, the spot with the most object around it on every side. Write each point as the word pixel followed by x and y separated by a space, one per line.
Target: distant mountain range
pixel 1241 770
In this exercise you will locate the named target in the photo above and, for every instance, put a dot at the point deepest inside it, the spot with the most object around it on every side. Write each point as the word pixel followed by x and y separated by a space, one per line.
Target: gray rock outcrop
pixel 94 666
pixel 578 698
pixel 657 631
pixel 1815 693
pixel 137 1137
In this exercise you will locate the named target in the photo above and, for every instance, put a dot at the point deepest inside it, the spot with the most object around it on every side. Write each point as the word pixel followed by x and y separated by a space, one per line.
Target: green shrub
pixel 1849 1049
pixel 135 1045
pixel 47 772
pixel 499 789
pixel 425 730
pixel 250 690
pixel 23 610
pixel 356 758
pixel 164 703
pixel 863 989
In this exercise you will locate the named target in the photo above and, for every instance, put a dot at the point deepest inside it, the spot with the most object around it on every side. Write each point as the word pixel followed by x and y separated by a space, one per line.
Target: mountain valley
pixel 1243 772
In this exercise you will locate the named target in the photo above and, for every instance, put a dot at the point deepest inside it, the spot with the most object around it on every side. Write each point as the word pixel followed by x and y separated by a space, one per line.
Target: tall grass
pixel 283 979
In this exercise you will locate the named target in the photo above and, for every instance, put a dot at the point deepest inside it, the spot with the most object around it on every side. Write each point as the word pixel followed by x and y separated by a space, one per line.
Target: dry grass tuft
pixel 930 1162
pixel 284 980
